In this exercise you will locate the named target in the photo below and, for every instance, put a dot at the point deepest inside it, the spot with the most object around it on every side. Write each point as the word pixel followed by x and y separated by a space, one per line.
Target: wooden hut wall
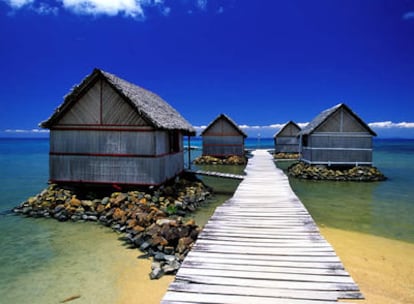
pixel 223 145
pixel 109 156
pixel 287 140
pixel 287 144
pixel 118 170
pixel 101 105
pixel 340 140
pixel 222 139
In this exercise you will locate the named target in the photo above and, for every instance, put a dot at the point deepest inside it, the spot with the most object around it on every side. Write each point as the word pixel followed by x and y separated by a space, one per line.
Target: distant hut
pixel 287 140
pixel 337 136
pixel 110 131
pixel 223 138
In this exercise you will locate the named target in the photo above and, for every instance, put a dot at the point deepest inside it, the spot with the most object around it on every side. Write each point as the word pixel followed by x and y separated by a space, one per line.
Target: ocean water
pixel 44 261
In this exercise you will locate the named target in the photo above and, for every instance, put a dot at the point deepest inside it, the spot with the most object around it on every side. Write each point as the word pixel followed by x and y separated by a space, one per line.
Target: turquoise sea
pixel 37 256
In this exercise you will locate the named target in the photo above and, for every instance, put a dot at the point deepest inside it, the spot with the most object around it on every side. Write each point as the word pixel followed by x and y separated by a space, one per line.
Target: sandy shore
pixel 134 284
pixel 383 268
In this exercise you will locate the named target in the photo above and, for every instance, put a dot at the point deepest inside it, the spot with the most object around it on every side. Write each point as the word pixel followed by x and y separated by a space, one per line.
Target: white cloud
pixel 249 127
pixel 390 124
pixel 129 8
pixel 18 3
pixel 32 131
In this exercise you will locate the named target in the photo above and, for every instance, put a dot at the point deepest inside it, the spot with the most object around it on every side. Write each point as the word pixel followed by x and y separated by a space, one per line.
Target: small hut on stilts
pixel 110 131
pixel 287 141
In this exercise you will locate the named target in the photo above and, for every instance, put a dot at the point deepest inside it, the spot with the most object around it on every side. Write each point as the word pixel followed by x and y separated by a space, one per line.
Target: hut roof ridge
pixel 285 125
pixel 324 115
pixel 231 121
pixel 148 104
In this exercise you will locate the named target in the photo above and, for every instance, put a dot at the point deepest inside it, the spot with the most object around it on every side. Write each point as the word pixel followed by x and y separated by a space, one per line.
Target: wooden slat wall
pixel 86 110
pixel 125 170
pixel 261 246
pixel 325 156
pixel 223 145
pixel 338 147
pixel 221 126
pixel 105 142
pixel 287 144
pixel 116 111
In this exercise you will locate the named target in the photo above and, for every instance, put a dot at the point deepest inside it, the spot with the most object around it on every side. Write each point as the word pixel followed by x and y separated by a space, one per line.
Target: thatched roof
pixel 148 105
pixel 323 116
pixel 230 121
pixel 287 125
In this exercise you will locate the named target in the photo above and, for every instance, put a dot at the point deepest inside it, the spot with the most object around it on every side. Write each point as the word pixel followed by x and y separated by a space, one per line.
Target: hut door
pixel 174 138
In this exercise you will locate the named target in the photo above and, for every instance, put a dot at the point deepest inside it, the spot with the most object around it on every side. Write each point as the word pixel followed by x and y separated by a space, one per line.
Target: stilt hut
pixel 110 131
pixel 223 138
pixel 287 140
pixel 337 136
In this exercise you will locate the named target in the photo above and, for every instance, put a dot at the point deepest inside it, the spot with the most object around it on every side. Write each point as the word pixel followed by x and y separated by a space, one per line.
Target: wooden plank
pixel 289 246
pixel 241 238
pixel 262 232
pixel 281 237
pixel 181 297
pixel 265 283
pixel 254 291
pixel 272 263
pixel 263 225
pixel 295 277
pixel 263 268
pixel 272 257
pixel 265 251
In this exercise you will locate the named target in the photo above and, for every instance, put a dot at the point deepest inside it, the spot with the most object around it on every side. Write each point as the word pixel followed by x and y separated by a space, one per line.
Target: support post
pixel 189 152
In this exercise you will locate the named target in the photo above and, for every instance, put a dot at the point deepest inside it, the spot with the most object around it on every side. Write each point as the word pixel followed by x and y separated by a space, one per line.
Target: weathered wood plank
pixel 272 263
pixel 267 275
pixel 254 291
pixel 266 283
pixel 263 268
pixel 262 257
pixel 291 245
pixel 180 297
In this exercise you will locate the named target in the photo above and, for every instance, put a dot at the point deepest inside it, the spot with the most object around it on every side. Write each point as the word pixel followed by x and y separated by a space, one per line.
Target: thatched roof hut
pixel 337 136
pixel 286 139
pixel 223 138
pixel 108 130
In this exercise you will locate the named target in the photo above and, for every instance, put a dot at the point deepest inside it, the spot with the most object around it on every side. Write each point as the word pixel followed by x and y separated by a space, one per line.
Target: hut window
pixel 174 137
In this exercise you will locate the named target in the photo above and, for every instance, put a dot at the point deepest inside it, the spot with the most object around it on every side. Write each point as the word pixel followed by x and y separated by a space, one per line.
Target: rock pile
pixel 211 160
pixel 282 155
pixel 320 172
pixel 151 222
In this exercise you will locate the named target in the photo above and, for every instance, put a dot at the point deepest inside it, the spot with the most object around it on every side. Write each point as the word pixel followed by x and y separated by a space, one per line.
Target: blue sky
pixel 262 62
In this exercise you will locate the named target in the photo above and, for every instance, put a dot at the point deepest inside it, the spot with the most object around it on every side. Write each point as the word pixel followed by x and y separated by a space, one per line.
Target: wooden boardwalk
pixel 261 246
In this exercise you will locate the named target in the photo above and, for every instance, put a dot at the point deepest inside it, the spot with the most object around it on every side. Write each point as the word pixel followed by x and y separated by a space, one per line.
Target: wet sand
pixel 383 268
pixel 134 285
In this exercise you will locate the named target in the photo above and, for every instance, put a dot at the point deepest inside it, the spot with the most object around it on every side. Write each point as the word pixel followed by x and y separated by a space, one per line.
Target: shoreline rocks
pixel 151 222
pixel 211 160
pixel 320 172
pixel 283 155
